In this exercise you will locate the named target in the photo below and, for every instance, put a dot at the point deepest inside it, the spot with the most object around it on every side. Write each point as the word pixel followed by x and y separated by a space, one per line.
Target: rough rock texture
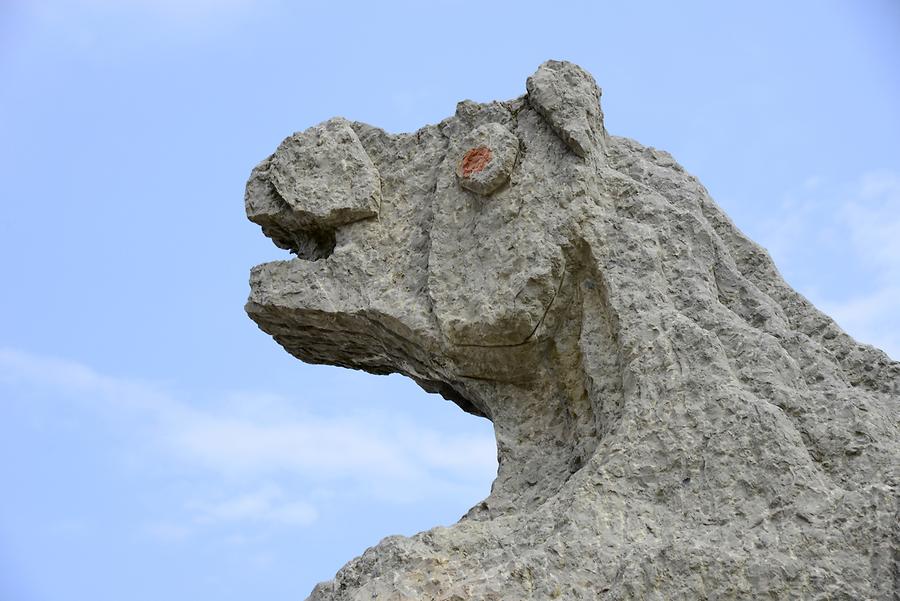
pixel 673 421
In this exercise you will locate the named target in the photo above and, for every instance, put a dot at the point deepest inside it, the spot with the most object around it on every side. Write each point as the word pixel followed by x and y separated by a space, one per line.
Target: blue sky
pixel 154 443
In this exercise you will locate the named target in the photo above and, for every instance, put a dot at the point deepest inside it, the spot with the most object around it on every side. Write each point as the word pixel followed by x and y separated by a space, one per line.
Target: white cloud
pixel 872 221
pixel 262 436
pixel 96 26
pixel 166 532
pixel 268 504
pixel 175 10
pixel 398 460
pixel 850 235
pixel 215 464
pixel 873 218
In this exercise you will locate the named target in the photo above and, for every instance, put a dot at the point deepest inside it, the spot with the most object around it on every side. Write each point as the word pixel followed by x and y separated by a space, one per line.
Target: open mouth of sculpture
pixel 315 183
pixel 307 236
pixel 307 242
pixel 313 245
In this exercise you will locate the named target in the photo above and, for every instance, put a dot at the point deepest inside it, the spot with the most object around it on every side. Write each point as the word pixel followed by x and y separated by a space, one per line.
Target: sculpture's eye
pixel 475 160
pixel 488 158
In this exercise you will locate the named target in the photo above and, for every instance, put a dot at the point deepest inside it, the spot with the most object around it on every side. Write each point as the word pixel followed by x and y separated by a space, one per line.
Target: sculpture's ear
pixel 569 99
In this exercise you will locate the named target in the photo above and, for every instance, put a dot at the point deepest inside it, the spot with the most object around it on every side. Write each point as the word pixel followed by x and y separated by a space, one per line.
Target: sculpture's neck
pixel 550 424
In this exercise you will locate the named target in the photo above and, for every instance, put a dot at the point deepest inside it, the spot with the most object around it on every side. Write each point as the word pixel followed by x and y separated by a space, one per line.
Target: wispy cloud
pixel 166 531
pixel 98 25
pixel 872 220
pixel 179 10
pixel 391 459
pixel 268 504
pixel 260 438
pixel 850 237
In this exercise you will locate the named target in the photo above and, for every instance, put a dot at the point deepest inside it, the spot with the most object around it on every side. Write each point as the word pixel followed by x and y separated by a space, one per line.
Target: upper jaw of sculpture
pixel 434 248
pixel 315 182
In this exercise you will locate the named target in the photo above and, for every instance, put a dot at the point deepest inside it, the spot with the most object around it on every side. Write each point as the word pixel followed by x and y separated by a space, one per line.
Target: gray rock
pixel 316 180
pixel 673 421
pixel 569 99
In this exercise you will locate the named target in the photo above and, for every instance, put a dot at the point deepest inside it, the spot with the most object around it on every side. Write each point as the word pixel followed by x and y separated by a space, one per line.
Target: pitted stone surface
pixel 569 99
pixel 673 421
pixel 316 180
pixel 490 156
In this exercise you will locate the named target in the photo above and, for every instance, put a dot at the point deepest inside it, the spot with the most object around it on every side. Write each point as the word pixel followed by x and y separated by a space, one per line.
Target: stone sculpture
pixel 673 421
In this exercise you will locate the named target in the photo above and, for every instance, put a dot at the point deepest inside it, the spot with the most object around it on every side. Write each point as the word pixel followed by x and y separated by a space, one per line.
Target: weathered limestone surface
pixel 673 421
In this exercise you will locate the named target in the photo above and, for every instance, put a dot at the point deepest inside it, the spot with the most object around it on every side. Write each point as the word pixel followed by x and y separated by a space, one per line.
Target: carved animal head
pixel 442 254
pixel 581 291
pixel 413 247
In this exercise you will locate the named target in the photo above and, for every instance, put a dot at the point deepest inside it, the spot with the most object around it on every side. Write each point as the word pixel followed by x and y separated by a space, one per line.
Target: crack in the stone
pixel 536 327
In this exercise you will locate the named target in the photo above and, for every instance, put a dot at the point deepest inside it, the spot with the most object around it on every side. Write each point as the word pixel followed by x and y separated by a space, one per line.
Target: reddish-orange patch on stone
pixel 475 160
